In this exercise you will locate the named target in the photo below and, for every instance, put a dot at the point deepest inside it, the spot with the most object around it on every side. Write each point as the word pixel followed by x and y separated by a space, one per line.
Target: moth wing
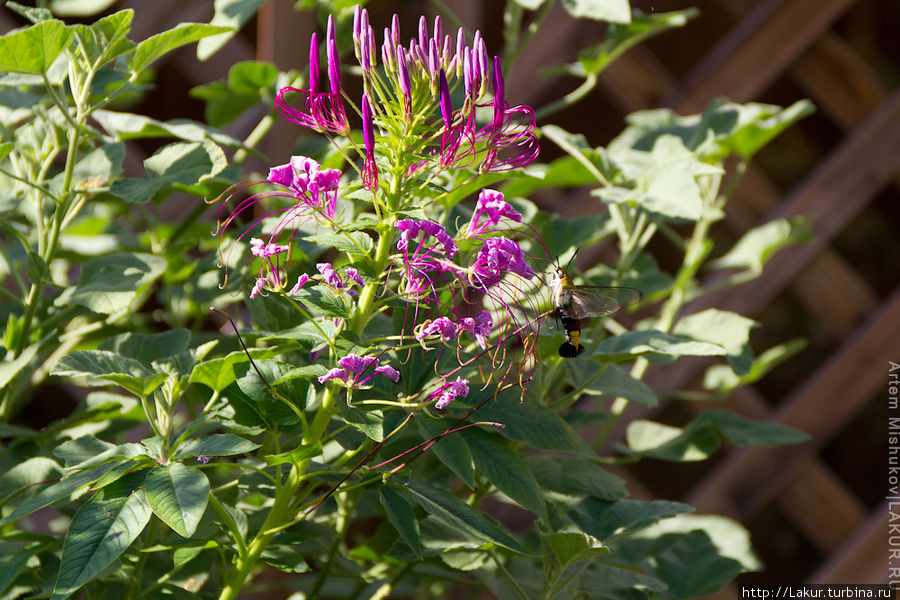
pixel 586 302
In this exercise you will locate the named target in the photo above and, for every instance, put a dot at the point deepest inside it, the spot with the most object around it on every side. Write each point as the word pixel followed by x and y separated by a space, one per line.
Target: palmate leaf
pixel 689 563
pixel 576 477
pixel 100 532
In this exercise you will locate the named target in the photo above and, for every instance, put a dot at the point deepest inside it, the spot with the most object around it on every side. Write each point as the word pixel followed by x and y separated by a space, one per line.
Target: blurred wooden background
pixel 817 512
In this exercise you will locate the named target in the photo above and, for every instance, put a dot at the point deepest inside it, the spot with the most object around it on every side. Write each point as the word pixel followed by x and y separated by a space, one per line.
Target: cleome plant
pixel 354 387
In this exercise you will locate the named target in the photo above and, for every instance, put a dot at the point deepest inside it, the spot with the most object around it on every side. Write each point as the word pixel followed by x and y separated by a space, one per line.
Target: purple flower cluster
pixel 353 370
pixel 309 189
pixel 423 73
pixel 477 327
pixel 495 210
pixel 425 265
pixel 445 394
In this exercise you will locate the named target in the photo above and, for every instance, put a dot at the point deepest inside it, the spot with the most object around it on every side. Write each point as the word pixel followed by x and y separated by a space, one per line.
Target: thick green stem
pixel 282 511
pixel 693 259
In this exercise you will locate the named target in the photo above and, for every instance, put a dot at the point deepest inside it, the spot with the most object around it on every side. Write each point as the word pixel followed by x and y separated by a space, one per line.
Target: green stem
pixel 590 82
pixel 282 510
pixel 693 259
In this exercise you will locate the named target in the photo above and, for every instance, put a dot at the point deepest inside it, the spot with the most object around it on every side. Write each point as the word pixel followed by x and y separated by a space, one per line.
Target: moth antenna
pixel 574 254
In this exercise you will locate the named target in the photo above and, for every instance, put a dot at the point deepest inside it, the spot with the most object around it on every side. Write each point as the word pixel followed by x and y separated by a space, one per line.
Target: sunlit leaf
pixel 162 43
pixel 181 163
pixel 615 11
pixel 33 49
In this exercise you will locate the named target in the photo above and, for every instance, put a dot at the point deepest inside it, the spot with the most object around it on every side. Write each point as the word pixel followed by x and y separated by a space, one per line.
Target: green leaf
pixel 94 169
pixel 457 513
pixel 724 378
pixel 162 43
pixel 80 8
pixel 757 246
pixel 614 11
pixel 9 369
pixel 662 181
pixel 703 436
pixel 106 39
pixel 249 83
pixel 620 37
pixel 723 128
pixel 576 477
pixel 450 449
pixel 533 423
pixel 757 124
pixel 689 563
pixel 100 532
pixel 217 444
pixel 219 373
pixel 181 163
pixel 352 242
pixel 729 537
pixel 609 379
pixel 178 495
pixel 601 581
pixel 282 410
pixel 5 149
pixel 747 432
pixel 130 126
pixel 29 472
pixel 648 341
pixel 402 517
pixel 34 49
pixel 369 422
pixel 506 471
pixel 330 302
pixel 296 455
pixel 109 284
pixel 147 348
pixel 35 15
pixel 79 450
pixel 231 13
pixel 57 491
pixel 561 235
pixel 607 520
pixel 727 329
pixel 110 367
